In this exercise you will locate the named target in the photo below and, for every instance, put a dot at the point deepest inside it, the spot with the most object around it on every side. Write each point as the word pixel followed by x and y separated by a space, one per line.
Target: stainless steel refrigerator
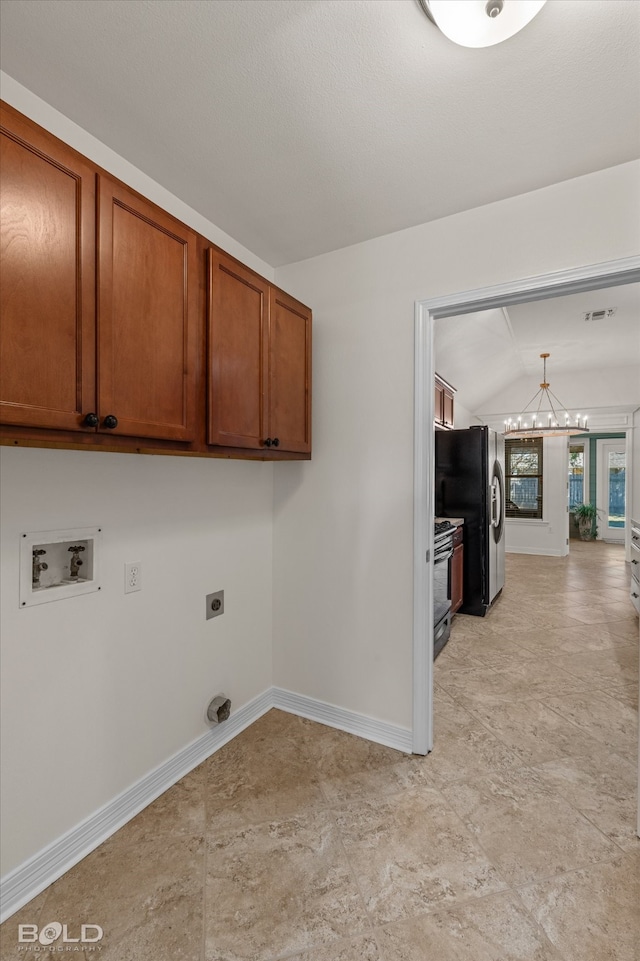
pixel 469 483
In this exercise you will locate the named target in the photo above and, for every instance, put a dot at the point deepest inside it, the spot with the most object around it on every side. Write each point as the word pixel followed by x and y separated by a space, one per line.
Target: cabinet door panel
pixel 238 311
pixel 289 373
pixel 47 336
pixel 147 317
pixel 447 409
pixel 438 404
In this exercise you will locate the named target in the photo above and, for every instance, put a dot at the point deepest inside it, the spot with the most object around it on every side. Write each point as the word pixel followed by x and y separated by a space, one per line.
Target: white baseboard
pixel 25 882
pixel 33 876
pixel 538 551
pixel 350 721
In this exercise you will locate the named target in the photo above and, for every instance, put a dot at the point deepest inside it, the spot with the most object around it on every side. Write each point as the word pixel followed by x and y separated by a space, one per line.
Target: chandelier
pixel 549 418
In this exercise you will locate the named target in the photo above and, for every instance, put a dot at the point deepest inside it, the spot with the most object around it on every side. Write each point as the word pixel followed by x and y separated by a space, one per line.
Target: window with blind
pixel 523 477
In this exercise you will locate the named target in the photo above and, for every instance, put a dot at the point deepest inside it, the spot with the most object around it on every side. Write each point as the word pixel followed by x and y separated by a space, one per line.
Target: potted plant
pixel 586 516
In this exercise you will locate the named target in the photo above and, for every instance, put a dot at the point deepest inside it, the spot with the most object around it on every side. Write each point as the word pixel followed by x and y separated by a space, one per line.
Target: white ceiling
pixel 482 353
pixel 302 126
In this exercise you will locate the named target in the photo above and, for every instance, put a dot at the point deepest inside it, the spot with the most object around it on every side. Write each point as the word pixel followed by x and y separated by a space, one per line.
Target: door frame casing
pixel 542 287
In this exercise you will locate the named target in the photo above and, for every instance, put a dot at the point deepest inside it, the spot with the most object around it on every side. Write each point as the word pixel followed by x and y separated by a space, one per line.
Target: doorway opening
pixel 427 312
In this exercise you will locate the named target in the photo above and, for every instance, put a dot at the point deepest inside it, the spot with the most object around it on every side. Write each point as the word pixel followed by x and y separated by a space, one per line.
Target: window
pixel 577 475
pixel 523 477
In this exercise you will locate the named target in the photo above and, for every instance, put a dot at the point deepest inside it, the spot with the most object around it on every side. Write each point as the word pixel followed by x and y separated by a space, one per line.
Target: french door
pixel 611 497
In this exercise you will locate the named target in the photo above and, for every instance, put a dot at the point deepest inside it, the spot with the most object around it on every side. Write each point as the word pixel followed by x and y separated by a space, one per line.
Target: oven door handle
pixel 439 558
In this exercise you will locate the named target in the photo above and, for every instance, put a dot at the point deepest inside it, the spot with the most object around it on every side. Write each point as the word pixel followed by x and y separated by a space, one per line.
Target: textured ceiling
pixel 302 126
pixel 482 353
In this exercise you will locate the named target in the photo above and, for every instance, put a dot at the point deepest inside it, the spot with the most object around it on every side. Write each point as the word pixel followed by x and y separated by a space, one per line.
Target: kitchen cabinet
pixel 456 569
pixel 96 336
pixel 47 336
pixel 289 373
pixel 147 310
pixel 259 362
pixel 443 404
pixel 107 338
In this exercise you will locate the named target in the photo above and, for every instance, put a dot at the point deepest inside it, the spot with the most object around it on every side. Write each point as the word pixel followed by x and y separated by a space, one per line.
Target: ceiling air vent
pixel 599 314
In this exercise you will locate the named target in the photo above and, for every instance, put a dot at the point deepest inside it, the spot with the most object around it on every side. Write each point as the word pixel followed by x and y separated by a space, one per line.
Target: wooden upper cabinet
pixel 102 333
pixel 443 404
pixel 447 409
pixel 289 373
pixel 47 333
pixel 438 404
pixel 238 318
pixel 259 353
pixel 147 318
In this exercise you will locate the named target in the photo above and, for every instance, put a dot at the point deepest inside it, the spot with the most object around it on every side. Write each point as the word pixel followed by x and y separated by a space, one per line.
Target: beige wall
pixel 344 522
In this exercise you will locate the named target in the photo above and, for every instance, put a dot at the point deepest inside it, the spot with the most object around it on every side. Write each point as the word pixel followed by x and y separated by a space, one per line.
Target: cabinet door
pixel 456 578
pixel 289 373
pixel 438 404
pixel 238 328
pixel 47 336
pixel 147 317
pixel 447 408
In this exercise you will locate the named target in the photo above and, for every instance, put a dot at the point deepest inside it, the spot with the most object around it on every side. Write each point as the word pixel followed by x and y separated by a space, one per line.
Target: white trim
pixel 25 882
pixel 602 491
pixel 557 284
pixel 536 550
pixel 33 876
pixel 369 728
pixel 526 522
pixel 423 512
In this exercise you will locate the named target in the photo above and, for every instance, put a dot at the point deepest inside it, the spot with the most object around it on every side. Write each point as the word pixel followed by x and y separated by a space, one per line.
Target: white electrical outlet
pixel 132 577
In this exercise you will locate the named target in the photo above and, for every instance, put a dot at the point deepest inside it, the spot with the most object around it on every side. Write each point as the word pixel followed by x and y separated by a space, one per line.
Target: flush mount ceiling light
pixel 549 419
pixel 480 23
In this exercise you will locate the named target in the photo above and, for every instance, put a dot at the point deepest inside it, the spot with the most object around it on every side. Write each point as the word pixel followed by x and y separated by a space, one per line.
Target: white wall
pixel 99 690
pixel 343 523
pixel 549 535
pixel 464 418
pixel 60 126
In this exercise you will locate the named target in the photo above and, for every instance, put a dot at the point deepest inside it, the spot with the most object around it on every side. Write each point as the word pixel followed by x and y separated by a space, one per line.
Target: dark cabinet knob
pixel 90 420
pixel 276 441
pixel 268 442
pixel 110 421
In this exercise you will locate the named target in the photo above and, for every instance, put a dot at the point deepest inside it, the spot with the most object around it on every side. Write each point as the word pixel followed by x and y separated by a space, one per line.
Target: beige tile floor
pixel 513 841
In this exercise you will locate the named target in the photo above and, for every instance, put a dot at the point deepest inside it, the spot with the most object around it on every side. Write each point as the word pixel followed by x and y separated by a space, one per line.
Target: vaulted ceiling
pixel 482 353
pixel 302 126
